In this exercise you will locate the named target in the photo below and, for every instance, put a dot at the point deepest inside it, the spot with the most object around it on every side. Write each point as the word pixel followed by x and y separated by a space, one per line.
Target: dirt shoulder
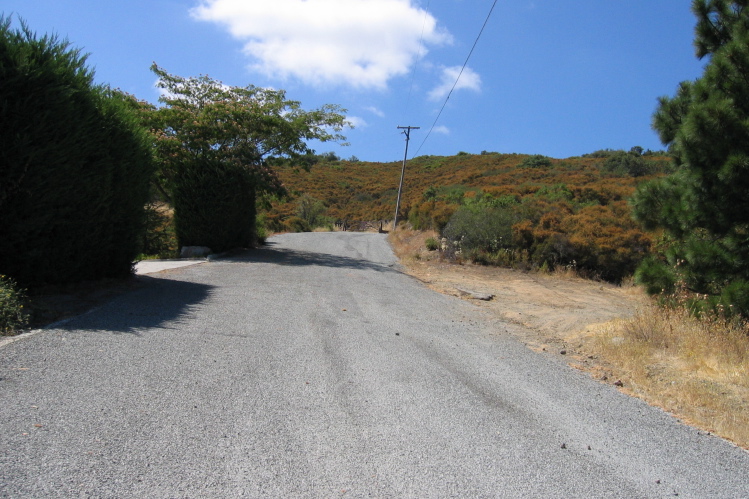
pixel 555 310
pixel 588 324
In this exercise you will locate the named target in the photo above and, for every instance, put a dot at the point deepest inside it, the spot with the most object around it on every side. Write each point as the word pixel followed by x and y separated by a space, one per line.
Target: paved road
pixel 314 368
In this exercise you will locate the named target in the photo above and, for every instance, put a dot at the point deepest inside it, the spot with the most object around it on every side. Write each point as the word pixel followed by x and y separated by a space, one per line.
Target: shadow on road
pixel 155 303
pixel 294 257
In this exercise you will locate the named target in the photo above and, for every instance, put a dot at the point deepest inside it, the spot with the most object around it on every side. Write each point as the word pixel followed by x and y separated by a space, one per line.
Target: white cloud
pixel 469 80
pixel 356 121
pixel 375 111
pixel 441 129
pixel 359 43
pixel 162 92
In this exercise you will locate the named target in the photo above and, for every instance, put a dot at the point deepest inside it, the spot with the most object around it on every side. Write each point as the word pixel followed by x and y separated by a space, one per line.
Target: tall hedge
pixel 214 205
pixel 75 166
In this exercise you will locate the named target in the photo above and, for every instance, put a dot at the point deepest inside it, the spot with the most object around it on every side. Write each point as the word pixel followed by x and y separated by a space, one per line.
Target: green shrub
pixel 481 230
pixel 312 211
pixel 12 314
pixel 296 224
pixel 536 161
pixel 159 238
pixel 76 166
pixel 432 244
pixel 261 229
pixel 623 163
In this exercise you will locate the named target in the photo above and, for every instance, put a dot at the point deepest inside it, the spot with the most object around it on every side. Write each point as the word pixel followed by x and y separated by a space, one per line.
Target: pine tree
pixel 703 208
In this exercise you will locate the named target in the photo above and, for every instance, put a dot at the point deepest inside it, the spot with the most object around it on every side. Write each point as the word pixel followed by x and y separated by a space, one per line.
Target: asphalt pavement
pixel 315 368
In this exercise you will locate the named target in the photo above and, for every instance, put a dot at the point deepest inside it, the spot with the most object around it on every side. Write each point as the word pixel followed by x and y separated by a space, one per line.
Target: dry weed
pixel 409 245
pixel 697 369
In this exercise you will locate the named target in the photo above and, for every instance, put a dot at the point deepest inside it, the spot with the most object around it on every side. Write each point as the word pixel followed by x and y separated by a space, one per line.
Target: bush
pixel 261 229
pixel 626 163
pixel 432 244
pixel 536 161
pixel 296 224
pixel 431 215
pixel 311 210
pixel 159 239
pixel 12 315
pixel 76 166
pixel 483 230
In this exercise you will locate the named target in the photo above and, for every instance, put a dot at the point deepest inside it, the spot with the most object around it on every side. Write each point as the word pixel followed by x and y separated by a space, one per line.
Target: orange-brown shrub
pixel 570 213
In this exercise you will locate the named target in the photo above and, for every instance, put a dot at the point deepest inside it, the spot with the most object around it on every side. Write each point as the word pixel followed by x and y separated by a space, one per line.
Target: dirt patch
pixel 556 311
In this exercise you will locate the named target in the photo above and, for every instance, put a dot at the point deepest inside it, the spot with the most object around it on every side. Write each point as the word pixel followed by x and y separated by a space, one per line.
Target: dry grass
pixel 697 369
pixel 410 245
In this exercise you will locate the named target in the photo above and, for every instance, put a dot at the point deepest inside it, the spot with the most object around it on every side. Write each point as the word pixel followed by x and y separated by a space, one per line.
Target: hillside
pixel 367 191
pixel 570 211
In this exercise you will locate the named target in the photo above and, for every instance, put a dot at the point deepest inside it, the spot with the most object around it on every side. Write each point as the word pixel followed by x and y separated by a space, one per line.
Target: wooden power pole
pixel 403 172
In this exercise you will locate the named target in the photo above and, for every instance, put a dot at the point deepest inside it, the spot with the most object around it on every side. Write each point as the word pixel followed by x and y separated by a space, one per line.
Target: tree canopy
pixel 703 208
pixel 213 143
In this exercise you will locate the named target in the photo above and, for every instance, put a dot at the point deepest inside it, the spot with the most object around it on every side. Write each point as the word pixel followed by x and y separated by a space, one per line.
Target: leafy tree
pixel 703 208
pixel 310 210
pixel 329 157
pixel 213 143
pixel 601 153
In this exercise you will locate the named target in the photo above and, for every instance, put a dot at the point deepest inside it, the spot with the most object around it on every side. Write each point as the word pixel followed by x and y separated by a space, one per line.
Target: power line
pixel 458 78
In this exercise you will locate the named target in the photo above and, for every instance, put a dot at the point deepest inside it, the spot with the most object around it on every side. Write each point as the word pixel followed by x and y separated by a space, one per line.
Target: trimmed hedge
pixel 214 205
pixel 75 166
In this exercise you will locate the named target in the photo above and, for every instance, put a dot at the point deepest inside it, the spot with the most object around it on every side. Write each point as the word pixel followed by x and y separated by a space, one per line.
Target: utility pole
pixel 403 172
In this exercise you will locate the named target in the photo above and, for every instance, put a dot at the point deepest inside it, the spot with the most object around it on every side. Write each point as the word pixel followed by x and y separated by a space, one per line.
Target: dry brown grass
pixel 410 245
pixel 697 369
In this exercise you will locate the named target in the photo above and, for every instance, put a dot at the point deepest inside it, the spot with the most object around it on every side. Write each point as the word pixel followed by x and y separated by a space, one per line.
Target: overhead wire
pixel 486 21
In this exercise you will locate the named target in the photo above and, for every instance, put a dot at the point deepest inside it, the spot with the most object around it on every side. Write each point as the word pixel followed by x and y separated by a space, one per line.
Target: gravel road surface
pixel 315 368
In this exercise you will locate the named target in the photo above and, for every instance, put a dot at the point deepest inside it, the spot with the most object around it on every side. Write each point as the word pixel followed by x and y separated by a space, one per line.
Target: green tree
pixel 310 210
pixel 626 163
pixel 703 208
pixel 480 229
pixel 214 142
pixel 75 166
pixel 536 161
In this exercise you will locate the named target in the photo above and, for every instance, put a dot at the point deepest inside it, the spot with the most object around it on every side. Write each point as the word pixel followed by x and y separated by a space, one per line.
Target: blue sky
pixel 553 77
